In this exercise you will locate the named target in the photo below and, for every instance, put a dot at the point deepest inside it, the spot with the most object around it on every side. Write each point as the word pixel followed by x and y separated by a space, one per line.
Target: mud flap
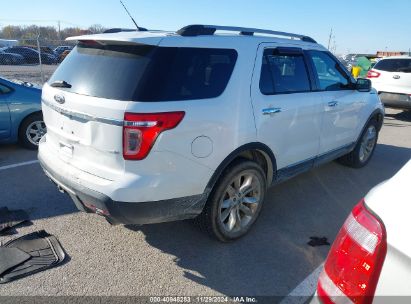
pixel 43 251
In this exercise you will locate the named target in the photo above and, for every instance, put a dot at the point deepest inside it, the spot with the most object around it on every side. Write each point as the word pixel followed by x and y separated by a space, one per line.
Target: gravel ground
pixel 175 258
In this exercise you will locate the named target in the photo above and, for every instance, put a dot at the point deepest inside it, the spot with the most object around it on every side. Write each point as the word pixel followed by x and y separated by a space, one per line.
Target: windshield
pixel 394 65
pixel 145 73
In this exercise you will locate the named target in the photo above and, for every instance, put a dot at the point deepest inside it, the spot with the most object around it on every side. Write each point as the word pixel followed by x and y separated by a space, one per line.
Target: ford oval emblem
pixel 60 99
pixel 396 76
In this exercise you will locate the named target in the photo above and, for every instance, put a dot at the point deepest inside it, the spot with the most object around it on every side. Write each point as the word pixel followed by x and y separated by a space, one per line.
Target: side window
pixel 283 73
pixel 330 75
pixel 4 89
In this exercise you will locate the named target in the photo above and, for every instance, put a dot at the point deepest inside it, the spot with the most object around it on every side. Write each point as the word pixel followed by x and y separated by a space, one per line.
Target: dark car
pixel 63 55
pixel 11 59
pixel 60 49
pixel 44 49
pixel 31 56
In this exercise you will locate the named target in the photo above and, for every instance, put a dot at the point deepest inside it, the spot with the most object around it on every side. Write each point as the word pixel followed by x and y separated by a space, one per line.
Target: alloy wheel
pixel 35 131
pixel 240 202
pixel 368 143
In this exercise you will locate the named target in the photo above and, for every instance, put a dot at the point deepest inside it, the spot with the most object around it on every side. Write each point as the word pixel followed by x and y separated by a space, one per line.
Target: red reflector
pixel 373 74
pixel 96 210
pixel 140 131
pixel 354 264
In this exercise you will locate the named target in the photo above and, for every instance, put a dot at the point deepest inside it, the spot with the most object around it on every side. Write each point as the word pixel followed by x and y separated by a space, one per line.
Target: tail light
pixel 354 263
pixel 373 74
pixel 140 131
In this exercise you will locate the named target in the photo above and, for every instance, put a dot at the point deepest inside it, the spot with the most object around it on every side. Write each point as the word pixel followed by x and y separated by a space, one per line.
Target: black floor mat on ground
pixel 11 257
pixel 44 252
pixel 11 218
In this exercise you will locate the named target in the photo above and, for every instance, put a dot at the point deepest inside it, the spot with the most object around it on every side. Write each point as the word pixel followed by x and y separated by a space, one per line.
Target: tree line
pixel 45 33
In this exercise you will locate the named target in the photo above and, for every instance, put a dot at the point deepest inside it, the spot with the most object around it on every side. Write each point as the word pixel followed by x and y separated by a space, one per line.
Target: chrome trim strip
pixel 144 124
pixel 83 116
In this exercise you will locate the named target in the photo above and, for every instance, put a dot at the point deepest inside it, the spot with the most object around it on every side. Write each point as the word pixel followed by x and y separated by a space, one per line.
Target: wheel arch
pixel 378 115
pixel 21 121
pixel 24 118
pixel 255 151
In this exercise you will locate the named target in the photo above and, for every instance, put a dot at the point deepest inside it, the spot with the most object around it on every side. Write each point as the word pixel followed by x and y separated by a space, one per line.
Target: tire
pixel 229 214
pixel 364 149
pixel 31 130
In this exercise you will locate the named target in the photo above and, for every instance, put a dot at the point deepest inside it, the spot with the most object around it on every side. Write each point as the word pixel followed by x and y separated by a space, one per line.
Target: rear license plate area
pixel 66 149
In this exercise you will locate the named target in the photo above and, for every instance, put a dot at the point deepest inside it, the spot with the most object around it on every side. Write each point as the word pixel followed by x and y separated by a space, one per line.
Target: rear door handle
pixel 270 111
pixel 333 104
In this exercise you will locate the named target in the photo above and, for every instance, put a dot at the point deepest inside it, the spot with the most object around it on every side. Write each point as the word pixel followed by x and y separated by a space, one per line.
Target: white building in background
pixel 8 43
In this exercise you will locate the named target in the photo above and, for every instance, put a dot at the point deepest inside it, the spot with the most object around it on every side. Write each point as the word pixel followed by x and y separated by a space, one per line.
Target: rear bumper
pixel 395 100
pixel 91 201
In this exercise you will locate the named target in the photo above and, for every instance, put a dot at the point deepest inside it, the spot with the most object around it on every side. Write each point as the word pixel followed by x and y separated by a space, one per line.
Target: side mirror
pixel 363 85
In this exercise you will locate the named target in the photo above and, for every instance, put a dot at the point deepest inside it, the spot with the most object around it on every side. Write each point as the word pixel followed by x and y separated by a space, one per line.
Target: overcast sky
pixel 359 26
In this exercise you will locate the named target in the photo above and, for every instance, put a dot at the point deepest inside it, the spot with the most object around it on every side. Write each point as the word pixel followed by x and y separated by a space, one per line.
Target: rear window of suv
pixel 394 65
pixel 146 73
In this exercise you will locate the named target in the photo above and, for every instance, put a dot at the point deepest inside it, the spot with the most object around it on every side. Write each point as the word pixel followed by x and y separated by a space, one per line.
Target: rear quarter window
pixel 187 73
pixel 394 65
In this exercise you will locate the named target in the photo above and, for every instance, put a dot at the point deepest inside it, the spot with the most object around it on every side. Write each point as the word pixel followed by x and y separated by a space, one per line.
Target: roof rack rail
pixel 200 30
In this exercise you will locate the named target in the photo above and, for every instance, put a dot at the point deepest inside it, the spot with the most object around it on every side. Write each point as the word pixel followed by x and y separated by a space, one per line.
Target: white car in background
pixel 371 256
pixel 391 77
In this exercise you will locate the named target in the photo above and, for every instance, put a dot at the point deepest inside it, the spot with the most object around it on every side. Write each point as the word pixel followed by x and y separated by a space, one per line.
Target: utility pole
pixel 329 39
pixel 40 63
pixel 59 28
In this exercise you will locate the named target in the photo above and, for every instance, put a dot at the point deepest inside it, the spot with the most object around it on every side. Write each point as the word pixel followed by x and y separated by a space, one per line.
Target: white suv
pixel 148 127
pixel 391 77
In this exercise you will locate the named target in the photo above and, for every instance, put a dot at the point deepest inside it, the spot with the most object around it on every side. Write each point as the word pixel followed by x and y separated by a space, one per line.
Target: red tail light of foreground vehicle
pixel 140 131
pixel 354 263
pixel 373 74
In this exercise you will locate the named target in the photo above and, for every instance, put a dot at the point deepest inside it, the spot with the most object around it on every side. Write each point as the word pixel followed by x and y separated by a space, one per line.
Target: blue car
pixel 21 119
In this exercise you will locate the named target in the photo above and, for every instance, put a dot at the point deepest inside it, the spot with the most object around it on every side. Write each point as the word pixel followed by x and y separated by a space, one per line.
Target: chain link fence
pixel 32 60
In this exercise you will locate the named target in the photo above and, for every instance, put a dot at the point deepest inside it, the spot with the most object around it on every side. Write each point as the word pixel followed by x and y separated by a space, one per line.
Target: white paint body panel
pixel 391 202
pixel 341 123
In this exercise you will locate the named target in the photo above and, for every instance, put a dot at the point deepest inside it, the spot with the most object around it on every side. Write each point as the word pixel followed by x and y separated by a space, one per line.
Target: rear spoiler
pixel 124 37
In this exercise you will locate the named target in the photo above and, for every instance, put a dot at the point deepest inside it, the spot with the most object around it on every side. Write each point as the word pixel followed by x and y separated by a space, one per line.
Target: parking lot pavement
pixel 175 258
pixel 13 154
pixel 29 73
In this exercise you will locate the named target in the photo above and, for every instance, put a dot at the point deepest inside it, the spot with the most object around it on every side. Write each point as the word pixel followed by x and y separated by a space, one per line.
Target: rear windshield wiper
pixel 60 84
